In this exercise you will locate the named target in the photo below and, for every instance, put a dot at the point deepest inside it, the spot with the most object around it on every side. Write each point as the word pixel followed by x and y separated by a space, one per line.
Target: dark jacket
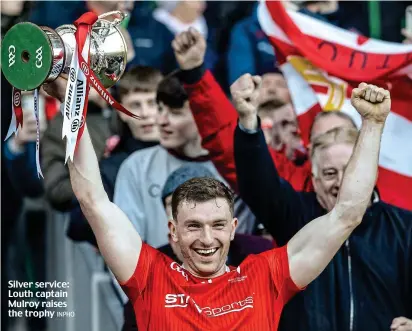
pixel 369 18
pixel 7 21
pixel 79 229
pixel 151 40
pixel 372 272
pixel 384 22
pixel 11 199
pixel 249 50
pixel 11 204
pixel 22 171
pixel 57 184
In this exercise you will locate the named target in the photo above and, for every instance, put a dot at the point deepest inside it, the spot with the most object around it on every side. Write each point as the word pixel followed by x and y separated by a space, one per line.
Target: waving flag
pixel 323 63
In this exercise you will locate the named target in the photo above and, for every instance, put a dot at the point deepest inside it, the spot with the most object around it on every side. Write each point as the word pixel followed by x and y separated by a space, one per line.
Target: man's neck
pixel 193 149
pixel 183 15
pixel 218 273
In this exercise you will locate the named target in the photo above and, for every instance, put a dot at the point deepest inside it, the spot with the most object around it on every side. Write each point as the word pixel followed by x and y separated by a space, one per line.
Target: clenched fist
pixel 401 324
pixel 245 92
pixel 372 103
pixel 189 48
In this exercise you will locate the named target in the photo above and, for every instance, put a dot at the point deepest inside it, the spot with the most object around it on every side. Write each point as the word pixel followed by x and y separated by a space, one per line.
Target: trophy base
pixel 28 56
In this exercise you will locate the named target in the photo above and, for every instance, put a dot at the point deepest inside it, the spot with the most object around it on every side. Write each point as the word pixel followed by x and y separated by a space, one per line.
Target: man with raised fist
pixel 204 293
pixel 367 284
pixel 216 117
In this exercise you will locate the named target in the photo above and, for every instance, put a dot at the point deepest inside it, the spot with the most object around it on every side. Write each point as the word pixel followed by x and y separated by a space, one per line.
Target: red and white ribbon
pixel 17 121
pixel 69 99
pixel 76 102
pixel 17 113
pixel 88 19
pixel 79 117
pixel 77 90
pixel 36 114
pixel 81 72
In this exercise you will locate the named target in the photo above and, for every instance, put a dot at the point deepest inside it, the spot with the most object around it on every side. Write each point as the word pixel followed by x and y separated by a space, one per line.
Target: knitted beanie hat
pixel 183 174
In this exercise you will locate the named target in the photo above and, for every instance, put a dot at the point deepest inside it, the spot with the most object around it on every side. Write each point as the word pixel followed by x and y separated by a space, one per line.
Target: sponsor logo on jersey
pixel 175 266
pixel 176 300
pixel 182 301
pixel 229 308
pixel 237 279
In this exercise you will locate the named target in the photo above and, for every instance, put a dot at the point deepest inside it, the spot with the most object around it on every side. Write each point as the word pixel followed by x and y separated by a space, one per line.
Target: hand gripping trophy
pixel 89 53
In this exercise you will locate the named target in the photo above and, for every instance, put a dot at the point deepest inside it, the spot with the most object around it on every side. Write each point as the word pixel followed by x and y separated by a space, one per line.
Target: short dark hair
pixel 171 92
pixel 201 189
pixel 139 79
pixel 327 113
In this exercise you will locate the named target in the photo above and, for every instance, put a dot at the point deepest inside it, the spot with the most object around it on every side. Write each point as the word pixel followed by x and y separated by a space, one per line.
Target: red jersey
pixel 165 296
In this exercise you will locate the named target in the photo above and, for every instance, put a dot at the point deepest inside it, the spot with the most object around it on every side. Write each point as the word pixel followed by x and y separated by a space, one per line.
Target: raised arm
pixel 314 246
pixel 215 116
pixel 272 199
pixel 118 241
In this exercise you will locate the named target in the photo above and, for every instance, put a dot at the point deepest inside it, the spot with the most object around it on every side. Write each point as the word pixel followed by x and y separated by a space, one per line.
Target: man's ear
pixel 234 226
pixel 173 230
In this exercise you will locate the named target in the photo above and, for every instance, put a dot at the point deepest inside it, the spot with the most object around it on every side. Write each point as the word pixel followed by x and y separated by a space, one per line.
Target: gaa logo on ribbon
pixel 16 99
pixel 85 68
pixel 72 75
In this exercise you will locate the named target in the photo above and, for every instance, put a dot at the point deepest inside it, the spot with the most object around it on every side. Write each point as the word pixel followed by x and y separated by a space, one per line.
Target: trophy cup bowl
pixel 33 55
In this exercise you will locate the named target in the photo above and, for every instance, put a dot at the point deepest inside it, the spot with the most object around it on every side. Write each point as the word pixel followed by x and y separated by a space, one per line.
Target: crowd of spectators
pixel 189 128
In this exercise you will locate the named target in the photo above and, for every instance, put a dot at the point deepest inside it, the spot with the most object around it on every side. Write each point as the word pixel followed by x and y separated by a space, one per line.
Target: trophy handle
pixel 116 21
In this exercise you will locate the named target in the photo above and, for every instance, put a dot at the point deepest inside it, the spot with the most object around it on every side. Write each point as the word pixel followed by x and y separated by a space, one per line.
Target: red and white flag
pixel 323 63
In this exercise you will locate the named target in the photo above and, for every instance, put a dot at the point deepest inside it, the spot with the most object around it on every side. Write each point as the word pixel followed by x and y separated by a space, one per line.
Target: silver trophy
pixel 33 55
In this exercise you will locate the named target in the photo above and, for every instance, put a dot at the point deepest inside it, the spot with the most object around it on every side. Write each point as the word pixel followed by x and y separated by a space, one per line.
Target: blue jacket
pixel 249 50
pixel 369 281
pixel 152 40
pixel 356 16
pixel 22 171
